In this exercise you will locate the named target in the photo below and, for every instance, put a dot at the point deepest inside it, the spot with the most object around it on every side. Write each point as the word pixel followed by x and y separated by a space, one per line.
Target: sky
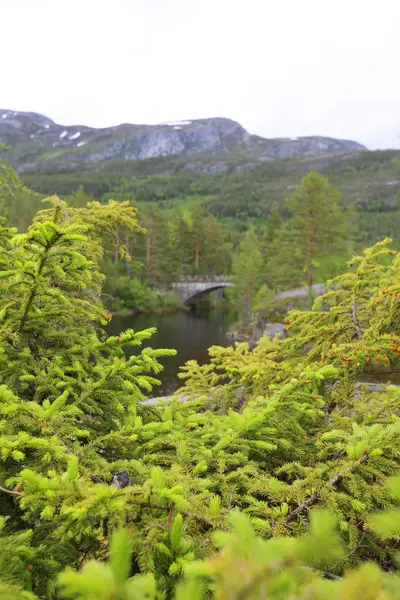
pixel 281 68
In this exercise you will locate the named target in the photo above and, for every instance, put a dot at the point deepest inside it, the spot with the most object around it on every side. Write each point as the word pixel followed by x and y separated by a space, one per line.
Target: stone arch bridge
pixel 190 290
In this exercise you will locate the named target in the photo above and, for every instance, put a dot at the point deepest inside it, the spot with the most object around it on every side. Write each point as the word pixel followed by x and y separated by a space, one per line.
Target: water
pixel 190 333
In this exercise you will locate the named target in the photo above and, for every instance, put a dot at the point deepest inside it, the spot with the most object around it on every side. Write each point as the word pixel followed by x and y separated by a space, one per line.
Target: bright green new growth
pixel 246 566
pixel 229 490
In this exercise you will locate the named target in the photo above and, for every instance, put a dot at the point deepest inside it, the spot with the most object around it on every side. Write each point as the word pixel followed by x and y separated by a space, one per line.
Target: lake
pixel 191 333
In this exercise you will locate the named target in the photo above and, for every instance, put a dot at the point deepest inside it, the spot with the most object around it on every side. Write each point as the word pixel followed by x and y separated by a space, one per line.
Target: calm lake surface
pixel 190 333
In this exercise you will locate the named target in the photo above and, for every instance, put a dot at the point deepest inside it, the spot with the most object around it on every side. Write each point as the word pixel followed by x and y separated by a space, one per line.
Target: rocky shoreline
pixel 374 386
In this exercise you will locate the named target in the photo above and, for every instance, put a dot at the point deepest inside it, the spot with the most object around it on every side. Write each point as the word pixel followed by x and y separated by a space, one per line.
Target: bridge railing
pixel 201 278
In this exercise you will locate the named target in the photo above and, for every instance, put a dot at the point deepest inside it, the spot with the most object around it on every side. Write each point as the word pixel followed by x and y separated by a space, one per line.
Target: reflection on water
pixel 392 377
pixel 190 333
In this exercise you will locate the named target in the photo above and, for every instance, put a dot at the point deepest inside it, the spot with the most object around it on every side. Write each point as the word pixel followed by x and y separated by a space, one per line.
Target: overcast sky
pixel 279 67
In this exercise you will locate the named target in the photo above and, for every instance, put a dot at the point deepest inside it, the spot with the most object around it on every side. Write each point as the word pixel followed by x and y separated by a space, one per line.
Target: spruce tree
pixel 269 248
pixel 157 257
pixel 10 183
pixel 182 253
pixel 317 225
pixel 217 252
pixel 247 273
pixel 197 235
pixel 67 388
pixel 274 223
pixel 224 494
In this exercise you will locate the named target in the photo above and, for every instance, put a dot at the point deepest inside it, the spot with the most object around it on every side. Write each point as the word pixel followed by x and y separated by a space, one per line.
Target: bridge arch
pixel 190 291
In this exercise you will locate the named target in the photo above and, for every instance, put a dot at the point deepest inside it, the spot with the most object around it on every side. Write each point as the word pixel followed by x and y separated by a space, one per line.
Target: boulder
pixel 271 329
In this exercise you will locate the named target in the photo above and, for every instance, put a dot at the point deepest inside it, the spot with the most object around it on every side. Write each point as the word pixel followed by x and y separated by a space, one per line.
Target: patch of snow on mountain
pixel 176 123
pixel 4 116
pixel 63 134
pixel 79 144
pixel 176 127
pixel 47 126
pixel 75 136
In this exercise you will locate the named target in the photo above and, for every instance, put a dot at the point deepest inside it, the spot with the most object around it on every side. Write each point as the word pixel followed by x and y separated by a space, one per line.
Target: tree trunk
pixel 197 254
pixel 309 245
pixel 309 275
pixel 247 309
pixel 128 262
pixel 148 254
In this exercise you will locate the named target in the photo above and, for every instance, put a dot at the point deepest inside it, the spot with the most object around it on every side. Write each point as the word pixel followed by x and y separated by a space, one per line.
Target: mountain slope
pixel 39 144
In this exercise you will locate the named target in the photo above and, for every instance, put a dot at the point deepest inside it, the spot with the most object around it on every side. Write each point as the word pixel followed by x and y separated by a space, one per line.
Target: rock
pixel 157 399
pixel 301 292
pixel 121 480
pixel 375 386
pixel 43 144
pixel 272 329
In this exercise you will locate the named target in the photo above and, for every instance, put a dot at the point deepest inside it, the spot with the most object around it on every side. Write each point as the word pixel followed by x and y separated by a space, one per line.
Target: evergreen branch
pixel 12 492
pixel 352 467
pixel 302 506
pixel 355 321
pixel 359 545
pixel 268 571
pixel 61 207
pixel 154 526
pixel 61 442
pixel 198 518
pixel 82 560
pixel 309 501
pixel 34 289
pixel 97 479
pixel 326 574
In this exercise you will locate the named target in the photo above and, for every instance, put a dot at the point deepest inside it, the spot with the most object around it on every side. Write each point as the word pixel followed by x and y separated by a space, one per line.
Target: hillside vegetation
pixel 196 211
pixel 368 179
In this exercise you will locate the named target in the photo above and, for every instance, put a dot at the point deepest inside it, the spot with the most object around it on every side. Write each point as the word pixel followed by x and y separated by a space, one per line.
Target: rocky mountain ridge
pixel 38 144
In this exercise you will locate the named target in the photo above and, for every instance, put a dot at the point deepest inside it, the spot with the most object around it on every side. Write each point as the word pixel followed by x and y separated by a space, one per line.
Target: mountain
pixel 39 144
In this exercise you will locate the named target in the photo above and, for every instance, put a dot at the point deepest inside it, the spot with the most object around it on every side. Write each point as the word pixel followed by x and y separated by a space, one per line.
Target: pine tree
pixel 157 258
pixel 317 225
pixel 246 565
pixel 274 224
pixel 247 273
pixel 10 183
pixel 269 249
pixel 222 495
pixel 181 246
pixel 197 234
pixel 217 252
pixel 66 387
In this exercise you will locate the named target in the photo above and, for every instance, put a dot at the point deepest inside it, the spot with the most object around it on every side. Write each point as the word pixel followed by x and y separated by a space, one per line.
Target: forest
pixel 278 476
pixel 196 223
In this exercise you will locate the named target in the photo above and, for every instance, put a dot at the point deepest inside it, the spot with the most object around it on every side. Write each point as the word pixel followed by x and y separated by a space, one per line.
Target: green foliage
pixel 16 556
pixel 10 184
pixel 237 191
pixel 317 226
pixel 244 568
pixel 67 390
pixel 277 474
pixel 168 194
pixel 104 582
pixel 247 273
